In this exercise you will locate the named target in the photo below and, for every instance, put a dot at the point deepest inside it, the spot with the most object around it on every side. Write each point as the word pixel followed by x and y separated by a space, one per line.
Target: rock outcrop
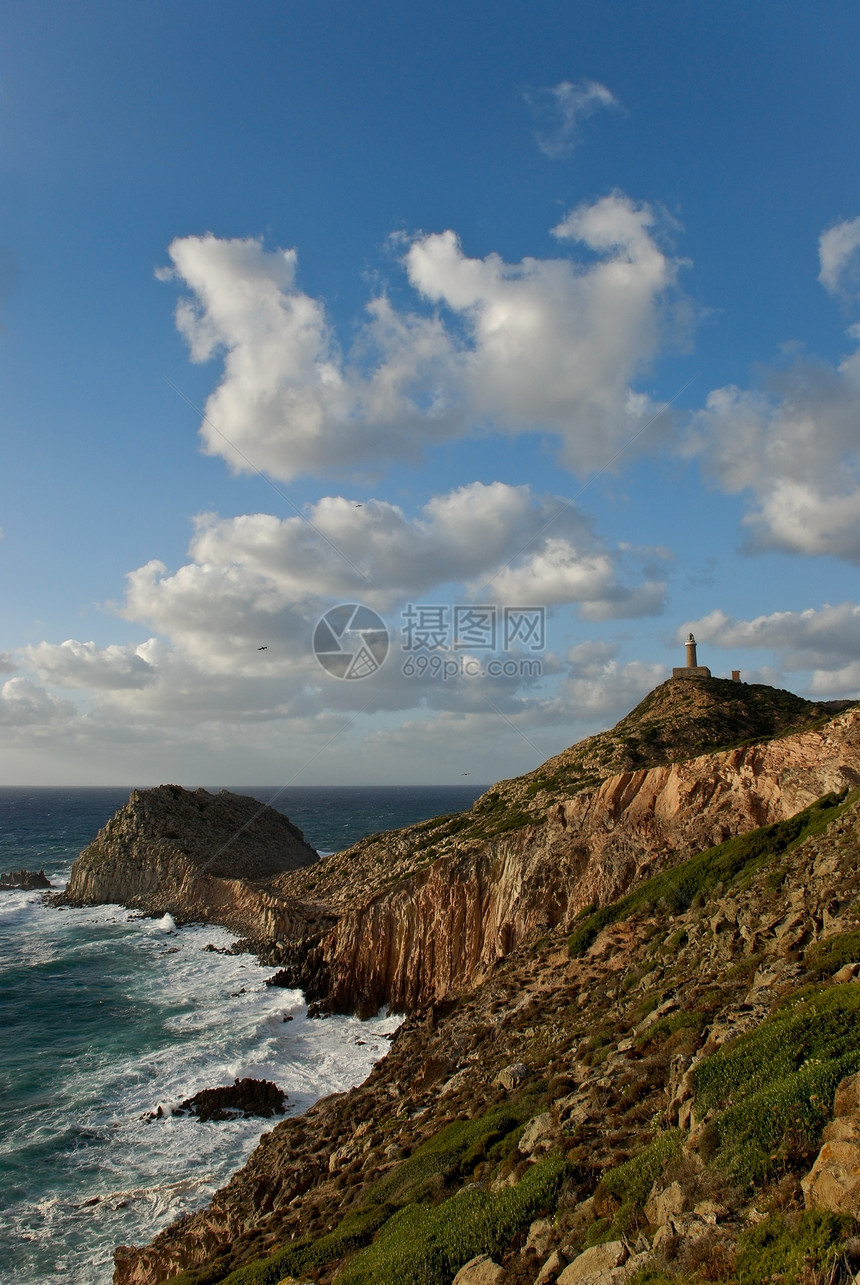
pixel 412 917
pixel 199 857
pixel 26 880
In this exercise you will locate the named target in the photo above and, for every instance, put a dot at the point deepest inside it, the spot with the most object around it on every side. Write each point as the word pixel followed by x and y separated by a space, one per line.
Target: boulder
pixel 662 1205
pixel 833 1182
pixel 480 1271
pixel 551 1269
pixel 846 1099
pixel 593 1266
pixel 539 1135
pixel 513 1075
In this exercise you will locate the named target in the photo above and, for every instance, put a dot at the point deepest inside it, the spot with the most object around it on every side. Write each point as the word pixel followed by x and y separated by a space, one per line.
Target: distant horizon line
pixel 417 785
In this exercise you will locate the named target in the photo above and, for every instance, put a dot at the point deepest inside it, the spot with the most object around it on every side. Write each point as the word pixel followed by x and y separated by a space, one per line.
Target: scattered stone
pixel 555 1264
pixel 846 1099
pixel 539 1135
pixel 662 1205
pixel 540 1236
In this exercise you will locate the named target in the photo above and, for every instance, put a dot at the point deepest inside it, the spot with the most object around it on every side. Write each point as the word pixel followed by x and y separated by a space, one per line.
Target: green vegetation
pixel 826 957
pixel 774 1086
pixel 405 1203
pixel 427 1245
pixel 630 1184
pixel 674 890
pixel 452 1154
pixel 780 1247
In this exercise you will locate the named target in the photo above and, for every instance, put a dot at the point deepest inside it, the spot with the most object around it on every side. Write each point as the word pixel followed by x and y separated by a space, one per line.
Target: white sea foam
pixel 203 1018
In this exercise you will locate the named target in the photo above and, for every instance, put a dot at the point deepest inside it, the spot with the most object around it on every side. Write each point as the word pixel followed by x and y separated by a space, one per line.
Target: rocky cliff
pixel 200 857
pixel 643 1101
pixel 624 1043
pixel 414 916
pixel 424 912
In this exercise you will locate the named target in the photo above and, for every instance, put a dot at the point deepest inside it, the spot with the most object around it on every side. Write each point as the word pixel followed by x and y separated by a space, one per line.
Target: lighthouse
pixel 692 669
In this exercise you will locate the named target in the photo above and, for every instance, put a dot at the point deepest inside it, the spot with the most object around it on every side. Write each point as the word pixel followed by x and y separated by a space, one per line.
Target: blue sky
pixel 511 304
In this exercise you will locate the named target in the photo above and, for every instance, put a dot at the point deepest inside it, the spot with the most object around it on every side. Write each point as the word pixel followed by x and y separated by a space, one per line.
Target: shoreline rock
pixel 24 880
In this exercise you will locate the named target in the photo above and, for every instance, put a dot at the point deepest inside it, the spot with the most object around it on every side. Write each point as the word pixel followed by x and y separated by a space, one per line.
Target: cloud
pixel 562 109
pixel 260 580
pixel 817 638
pixel 77 664
pixel 545 345
pixel 23 704
pixel 793 446
pixel 8 664
pixel 839 256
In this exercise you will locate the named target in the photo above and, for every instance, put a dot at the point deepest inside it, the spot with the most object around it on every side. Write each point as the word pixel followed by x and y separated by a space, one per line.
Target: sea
pixel 106 1016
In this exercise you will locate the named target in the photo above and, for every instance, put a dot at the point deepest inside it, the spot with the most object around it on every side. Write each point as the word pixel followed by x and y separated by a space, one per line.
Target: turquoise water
pixel 106 1016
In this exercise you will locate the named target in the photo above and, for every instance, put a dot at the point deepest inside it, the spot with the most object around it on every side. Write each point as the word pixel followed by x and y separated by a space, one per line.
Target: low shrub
pixel 630 1183
pixel 774 1086
pixel 783 1246
pixel 428 1245
pixel 826 957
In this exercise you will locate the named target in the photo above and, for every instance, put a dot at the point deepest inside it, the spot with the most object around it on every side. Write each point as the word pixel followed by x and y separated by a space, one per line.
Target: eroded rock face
pixel 443 927
pixel 197 856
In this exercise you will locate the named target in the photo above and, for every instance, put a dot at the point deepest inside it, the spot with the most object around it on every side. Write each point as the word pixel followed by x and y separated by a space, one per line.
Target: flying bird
pixel 358 506
pixel 266 648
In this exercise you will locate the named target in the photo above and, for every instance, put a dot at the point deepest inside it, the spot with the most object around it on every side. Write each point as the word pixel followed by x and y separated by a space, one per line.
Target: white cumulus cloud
pixel 544 345
pixel 24 704
pixel 794 448
pixel 83 664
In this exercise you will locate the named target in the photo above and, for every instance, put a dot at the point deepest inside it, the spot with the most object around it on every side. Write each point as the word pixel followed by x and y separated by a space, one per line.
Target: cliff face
pixel 442 927
pixel 413 916
pixel 198 856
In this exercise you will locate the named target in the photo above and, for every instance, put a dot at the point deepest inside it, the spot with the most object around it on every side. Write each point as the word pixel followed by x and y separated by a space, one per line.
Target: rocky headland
pixel 200 857
pixel 633 1033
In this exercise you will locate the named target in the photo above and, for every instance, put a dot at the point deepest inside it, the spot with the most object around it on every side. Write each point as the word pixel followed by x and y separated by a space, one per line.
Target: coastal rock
pixel 595 1266
pixel 245 1097
pixel 480 1271
pixel 25 880
pixel 199 857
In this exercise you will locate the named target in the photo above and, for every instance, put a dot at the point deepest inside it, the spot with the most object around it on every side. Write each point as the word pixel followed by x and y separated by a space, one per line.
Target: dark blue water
pixel 105 1016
